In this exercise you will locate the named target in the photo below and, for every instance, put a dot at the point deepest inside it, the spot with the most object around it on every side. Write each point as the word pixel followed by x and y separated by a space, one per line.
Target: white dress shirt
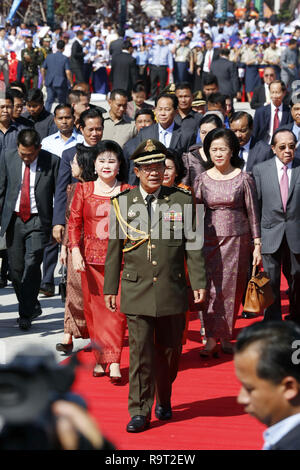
pixel 267 93
pixel 273 109
pixel 208 58
pixel 280 166
pixel 246 150
pixel 33 170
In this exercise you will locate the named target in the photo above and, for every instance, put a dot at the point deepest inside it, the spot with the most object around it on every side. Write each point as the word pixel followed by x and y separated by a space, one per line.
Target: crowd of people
pixel 168 138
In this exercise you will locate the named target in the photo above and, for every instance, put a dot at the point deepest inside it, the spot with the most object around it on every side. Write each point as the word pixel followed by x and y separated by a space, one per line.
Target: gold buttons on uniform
pixel 154 279
pixel 179 275
pixel 154 263
pixel 153 246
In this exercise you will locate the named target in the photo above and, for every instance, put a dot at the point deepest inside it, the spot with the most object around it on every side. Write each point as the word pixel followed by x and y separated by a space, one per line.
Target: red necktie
pixel 209 61
pixel 24 209
pixel 276 120
pixel 284 187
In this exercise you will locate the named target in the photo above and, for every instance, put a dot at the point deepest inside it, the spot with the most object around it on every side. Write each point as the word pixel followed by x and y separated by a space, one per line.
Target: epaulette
pixel 121 193
pixel 184 190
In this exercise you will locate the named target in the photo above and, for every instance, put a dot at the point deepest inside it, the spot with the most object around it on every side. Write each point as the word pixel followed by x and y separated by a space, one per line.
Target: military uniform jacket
pixel 153 280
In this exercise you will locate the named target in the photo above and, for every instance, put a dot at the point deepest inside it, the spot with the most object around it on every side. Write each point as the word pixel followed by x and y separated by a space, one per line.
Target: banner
pixel 13 9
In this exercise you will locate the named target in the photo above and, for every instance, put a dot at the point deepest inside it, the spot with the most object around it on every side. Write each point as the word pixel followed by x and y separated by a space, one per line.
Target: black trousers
pixel 158 74
pixel 155 346
pixel 25 247
pixel 289 262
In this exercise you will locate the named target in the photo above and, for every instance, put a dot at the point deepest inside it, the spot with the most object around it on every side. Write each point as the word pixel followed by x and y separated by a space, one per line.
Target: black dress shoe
pixel 138 424
pixel 248 315
pixel 24 324
pixel 163 412
pixel 65 348
pixel 47 289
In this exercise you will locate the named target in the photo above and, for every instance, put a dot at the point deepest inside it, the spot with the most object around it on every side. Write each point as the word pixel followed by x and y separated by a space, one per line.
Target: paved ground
pixel 47 329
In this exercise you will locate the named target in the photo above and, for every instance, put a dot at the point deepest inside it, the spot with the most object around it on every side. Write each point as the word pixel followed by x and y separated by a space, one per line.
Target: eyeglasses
pixel 156 169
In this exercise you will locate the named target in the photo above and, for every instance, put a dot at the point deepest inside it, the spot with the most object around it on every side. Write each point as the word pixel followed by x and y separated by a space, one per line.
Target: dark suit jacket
pixel 227 75
pixel 64 178
pixel 258 153
pixel 259 97
pixel 11 181
pixel 275 223
pixel 291 441
pixel 77 55
pixel 56 66
pixel 123 72
pixel 128 150
pixel 44 124
pixel 180 141
pixel 215 56
pixel 261 122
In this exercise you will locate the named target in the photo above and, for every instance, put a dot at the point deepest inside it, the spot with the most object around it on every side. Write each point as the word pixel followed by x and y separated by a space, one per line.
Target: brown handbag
pixel 259 294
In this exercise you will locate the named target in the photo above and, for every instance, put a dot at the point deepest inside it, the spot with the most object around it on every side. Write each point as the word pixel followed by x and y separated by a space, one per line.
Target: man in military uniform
pixel 156 242
pixel 31 59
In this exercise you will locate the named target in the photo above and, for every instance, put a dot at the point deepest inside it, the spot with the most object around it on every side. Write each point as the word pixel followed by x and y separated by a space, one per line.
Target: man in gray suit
pixel 278 186
pixel 288 62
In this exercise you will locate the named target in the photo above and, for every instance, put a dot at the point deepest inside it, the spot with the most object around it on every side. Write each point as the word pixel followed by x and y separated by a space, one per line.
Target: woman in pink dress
pixel 90 212
pixel 231 230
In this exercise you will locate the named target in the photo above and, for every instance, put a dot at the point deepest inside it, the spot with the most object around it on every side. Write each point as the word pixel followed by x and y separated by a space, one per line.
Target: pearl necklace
pixel 111 190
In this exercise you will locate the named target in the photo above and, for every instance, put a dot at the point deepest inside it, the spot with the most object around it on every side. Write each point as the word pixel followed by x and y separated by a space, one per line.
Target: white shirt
pixel 276 432
pixel 280 166
pixel 267 93
pixel 33 170
pixel 165 135
pixel 273 109
pixel 246 153
pixel 208 57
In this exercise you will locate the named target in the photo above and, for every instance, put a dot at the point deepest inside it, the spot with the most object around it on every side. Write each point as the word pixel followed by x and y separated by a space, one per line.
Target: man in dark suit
pixel 91 127
pixel 188 119
pixel 154 265
pixel 241 123
pixel 278 187
pixel 27 185
pixel 294 126
pixel 261 94
pixel 267 366
pixel 166 130
pixel 77 56
pixel 56 73
pixel 210 55
pixel 124 69
pixel 227 74
pixel 268 118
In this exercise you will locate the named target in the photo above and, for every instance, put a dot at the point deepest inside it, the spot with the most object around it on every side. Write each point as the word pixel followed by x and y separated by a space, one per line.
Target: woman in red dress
pixel 90 212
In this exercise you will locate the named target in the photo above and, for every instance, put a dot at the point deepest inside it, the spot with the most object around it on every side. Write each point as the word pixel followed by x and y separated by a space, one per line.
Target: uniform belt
pixel 160 66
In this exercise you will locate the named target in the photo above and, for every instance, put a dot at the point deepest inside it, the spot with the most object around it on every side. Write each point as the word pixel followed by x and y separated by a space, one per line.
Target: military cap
pixel 149 151
pixel 198 99
pixel 171 88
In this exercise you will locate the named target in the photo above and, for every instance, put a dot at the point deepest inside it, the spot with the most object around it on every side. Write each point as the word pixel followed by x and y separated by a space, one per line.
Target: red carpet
pixel 205 412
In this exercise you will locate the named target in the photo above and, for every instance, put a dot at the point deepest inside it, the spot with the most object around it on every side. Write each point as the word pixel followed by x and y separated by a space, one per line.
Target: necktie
pixel 209 61
pixel 149 199
pixel 276 121
pixel 24 209
pixel 284 187
pixel 165 138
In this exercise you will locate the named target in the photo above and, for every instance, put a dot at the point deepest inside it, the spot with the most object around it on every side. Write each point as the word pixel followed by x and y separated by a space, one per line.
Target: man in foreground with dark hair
pixel 27 185
pixel 267 361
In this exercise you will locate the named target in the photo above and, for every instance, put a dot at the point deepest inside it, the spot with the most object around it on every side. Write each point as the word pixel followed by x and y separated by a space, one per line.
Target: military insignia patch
pixel 150 147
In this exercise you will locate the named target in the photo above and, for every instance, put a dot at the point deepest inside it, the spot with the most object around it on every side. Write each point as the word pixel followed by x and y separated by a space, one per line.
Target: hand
pixel 58 232
pixel 71 419
pixel 77 260
pixel 199 295
pixel 256 255
pixel 110 302
pixel 63 255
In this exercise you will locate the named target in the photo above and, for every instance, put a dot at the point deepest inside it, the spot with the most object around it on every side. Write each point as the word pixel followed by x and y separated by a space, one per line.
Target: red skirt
pixel 106 328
